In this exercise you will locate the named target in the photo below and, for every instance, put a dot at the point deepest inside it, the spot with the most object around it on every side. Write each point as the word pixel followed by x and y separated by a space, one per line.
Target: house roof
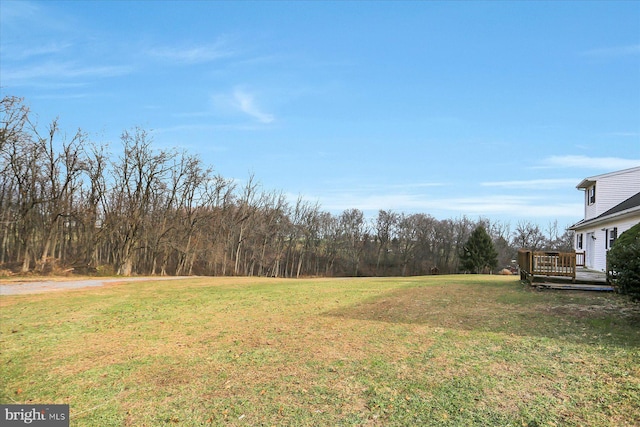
pixel 588 182
pixel 631 202
pixel 630 205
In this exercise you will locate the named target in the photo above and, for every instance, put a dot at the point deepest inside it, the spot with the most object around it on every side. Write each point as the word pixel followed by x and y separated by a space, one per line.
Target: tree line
pixel 68 203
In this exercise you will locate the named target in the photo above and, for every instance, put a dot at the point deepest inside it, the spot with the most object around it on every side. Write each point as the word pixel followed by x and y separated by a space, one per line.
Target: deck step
pixel 574 286
pixel 580 279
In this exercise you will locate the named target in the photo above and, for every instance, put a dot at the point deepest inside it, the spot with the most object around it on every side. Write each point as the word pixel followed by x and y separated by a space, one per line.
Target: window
pixel 591 195
pixel 611 234
pixel 579 241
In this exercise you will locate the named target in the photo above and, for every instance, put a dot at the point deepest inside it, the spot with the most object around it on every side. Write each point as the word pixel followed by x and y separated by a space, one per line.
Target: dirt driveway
pixel 35 287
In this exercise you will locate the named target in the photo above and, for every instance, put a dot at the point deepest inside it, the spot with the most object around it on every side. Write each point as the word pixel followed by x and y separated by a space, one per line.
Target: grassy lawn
pixel 440 350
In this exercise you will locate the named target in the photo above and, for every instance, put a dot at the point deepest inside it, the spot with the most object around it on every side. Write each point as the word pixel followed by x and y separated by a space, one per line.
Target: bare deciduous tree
pixel 70 202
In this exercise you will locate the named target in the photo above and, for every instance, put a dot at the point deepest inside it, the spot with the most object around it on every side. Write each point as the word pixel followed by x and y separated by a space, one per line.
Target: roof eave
pixel 585 183
pixel 599 220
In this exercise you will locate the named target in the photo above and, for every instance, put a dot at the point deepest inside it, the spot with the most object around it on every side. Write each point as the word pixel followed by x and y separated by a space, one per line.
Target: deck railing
pixel 546 264
pixel 580 259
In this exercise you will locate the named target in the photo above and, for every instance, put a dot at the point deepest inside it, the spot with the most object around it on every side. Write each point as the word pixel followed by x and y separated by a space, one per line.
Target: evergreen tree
pixel 478 252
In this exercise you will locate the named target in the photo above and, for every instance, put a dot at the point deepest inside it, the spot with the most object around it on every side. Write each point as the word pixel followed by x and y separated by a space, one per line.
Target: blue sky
pixel 494 109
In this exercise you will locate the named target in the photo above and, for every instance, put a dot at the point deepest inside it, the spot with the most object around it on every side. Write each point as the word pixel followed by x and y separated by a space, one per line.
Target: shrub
pixel 624 261
pixel 105 270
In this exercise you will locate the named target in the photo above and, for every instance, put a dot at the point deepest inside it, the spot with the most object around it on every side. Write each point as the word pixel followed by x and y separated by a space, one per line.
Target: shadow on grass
pixel 576 316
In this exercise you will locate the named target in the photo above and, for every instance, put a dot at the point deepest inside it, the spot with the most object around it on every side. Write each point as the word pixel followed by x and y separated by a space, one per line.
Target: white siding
pixel 612 190
pixel 599 245
pixel 591 211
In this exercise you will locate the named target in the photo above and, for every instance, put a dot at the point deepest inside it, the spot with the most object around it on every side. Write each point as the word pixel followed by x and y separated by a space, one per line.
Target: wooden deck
pixel 550 264
pixel 585 275
pixel 557 270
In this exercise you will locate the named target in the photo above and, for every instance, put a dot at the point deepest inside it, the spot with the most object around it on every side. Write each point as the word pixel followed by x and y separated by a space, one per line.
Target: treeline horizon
pixel 68 204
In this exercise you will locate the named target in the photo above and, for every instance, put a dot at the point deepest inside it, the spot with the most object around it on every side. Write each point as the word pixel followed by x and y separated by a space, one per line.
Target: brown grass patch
pixel 243 351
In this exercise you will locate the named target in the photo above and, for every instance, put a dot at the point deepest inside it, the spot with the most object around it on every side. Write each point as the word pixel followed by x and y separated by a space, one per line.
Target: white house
pixel 611 206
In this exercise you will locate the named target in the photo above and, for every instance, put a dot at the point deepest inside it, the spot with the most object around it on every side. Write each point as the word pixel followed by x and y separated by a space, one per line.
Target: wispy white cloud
pixel 239 101
pixel 371 199
pixel 603 163
pixel 402 187
pixel 67 85
pixel 180 128
pixel 14 52
pixel 30 17
pixel 614 51
pixel 625 134
pixel 10 11
pixel 46 47
pixel 517 206
pixel 245 102
pixel 495 205
pixel 60 71
pixel 194 54
pixel 68 95
pixel 532 183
